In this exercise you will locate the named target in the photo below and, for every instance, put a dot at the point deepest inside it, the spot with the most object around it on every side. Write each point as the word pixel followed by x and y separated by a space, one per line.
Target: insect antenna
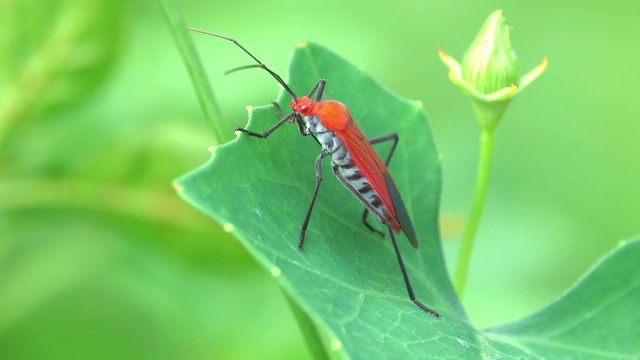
pixel 260 64
pixel 242 68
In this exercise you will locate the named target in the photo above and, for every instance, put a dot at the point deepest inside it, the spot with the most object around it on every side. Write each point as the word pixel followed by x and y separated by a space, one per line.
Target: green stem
pixel 487 140
pixel 196 71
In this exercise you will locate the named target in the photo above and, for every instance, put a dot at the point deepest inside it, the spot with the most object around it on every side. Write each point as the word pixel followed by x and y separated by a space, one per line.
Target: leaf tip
pixel 622 243
pixel 276 271
pixel 228 227
pixel 302 44
pixel 177 187
pixel 336 345
pixel 212 149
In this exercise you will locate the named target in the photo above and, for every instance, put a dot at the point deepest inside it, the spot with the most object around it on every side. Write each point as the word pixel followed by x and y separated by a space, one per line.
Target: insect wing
pixel 369 163
pixel 401 211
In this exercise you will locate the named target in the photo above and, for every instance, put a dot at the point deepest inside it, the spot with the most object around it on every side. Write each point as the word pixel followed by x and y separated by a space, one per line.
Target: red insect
pixel 354 161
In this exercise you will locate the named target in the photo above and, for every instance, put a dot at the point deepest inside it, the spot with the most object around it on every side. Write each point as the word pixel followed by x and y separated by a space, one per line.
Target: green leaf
pixel 597 319
pixel 54 54
pixel 347 279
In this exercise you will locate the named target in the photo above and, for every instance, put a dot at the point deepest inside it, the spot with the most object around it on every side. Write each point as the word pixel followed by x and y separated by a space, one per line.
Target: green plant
pixel 490 77
pixel 100 259
pixel 346 281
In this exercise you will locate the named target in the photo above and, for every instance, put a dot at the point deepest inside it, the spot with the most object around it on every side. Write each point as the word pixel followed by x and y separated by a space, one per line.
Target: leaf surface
pixel 347 279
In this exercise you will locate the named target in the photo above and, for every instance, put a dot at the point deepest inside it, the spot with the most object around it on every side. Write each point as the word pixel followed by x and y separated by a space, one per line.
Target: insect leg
pixel 293 117
pixel 383 138
pixel 270 130
pixel 320 88
pixel 284 118
pixel 365 213
pixel 313 197
pixel 278 109
pixel 373 141
pixel 412 296
pixel 379 216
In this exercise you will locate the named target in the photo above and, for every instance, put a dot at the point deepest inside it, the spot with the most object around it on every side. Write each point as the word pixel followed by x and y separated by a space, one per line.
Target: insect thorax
pixel 329 141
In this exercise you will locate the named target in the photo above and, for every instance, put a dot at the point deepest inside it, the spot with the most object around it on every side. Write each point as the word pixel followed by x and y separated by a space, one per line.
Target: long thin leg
pixel 313 197
pixel 379 216
pixel 365 213
pixel 383 138
pixel 302 129
pixel 373 141
pixel 278 109
pixel 284 118
pixel 320 87
pixel 412 296
pixel 270 130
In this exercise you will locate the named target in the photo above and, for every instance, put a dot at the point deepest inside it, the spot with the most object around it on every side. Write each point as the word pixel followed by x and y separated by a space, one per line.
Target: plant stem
pixel 196 71
pixel 487 140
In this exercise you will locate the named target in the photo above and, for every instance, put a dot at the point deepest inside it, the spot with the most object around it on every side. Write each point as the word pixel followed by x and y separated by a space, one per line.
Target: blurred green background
pixel 100 259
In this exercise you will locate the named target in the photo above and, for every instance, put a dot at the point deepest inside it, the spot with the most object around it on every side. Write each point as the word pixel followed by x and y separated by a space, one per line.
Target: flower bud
pixel 490 71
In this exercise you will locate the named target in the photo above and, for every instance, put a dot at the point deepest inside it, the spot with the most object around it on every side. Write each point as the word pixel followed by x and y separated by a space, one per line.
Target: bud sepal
pixel 490 72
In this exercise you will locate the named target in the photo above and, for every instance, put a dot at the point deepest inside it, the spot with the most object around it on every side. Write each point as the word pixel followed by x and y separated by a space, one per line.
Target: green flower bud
pixel 490 72
pixel 490 64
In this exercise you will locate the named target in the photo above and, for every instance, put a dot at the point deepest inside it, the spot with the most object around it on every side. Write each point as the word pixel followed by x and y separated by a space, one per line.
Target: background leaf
pixel 98 256
pixel 51 62
pixel 595 319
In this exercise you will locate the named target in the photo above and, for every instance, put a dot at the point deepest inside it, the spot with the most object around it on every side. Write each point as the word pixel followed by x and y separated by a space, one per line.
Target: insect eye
pixel 304 108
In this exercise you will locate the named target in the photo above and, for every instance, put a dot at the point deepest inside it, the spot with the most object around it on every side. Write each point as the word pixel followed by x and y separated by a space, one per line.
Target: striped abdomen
pixel 341 158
